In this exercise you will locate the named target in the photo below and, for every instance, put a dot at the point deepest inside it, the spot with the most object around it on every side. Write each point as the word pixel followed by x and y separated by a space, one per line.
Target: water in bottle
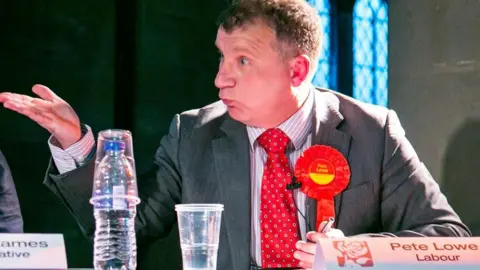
pixel 115 198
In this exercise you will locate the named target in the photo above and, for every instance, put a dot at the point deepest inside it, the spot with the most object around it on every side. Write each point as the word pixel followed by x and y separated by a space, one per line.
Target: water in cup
pixel 199 230
pixel 199 257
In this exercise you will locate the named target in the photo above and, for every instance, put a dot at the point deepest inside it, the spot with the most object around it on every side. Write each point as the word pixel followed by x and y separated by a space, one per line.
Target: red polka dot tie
pixel 278 216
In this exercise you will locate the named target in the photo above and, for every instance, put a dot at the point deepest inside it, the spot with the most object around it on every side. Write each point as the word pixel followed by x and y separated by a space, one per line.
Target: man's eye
pixel 244 61
pixel 220 58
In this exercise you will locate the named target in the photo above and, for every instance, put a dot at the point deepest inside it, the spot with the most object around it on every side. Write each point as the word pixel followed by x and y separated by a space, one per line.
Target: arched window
pixel 324 76
pixel 370 50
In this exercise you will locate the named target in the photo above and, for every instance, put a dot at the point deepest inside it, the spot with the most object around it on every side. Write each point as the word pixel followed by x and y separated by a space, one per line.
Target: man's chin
pixel 235 114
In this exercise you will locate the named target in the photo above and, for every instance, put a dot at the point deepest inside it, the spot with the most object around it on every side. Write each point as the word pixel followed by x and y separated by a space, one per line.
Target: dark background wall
pixel 135 63
pixel 434 75
pixel 69 46
pixel 120 64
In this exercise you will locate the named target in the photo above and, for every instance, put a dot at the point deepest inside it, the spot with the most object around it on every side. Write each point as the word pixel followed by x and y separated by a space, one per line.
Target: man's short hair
pixel 295 22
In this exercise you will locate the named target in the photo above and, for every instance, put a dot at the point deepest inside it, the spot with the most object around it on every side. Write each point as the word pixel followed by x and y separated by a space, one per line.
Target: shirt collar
pixel 297 127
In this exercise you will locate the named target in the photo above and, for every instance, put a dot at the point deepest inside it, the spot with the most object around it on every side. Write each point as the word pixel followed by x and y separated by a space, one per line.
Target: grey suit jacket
pixel 11 220
pixel 205 159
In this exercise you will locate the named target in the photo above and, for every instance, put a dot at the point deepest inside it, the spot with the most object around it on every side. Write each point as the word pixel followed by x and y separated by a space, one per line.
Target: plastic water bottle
pixel 115 198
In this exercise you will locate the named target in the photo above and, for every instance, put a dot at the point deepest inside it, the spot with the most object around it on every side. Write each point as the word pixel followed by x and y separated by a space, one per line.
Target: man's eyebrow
pixel 242 47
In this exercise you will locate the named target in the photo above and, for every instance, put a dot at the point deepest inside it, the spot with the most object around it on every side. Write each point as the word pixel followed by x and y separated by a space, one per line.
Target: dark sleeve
pixel 411 201
pixel 10 215
pixel 159 191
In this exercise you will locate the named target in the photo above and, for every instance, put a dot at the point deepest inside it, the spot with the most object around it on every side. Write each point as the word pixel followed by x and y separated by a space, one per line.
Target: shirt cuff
pixel 67 159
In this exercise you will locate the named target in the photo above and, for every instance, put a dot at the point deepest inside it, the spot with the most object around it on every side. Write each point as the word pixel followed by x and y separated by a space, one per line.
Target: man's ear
pixel 299 69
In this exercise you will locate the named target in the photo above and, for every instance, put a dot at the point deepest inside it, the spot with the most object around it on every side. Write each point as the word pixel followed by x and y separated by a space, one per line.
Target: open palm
pixel 49 111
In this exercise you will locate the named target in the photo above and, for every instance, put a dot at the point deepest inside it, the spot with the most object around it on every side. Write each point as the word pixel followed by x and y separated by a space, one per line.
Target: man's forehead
pixel 247 33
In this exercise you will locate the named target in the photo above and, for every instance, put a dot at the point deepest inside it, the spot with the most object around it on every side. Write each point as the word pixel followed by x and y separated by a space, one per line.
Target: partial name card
pixel 32 251
pixel 415 253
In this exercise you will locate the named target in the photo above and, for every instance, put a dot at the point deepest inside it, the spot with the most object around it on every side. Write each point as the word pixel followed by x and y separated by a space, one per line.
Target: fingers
pixel 40 90
pixel 42 118
pixel 306 266
pixel 306 247
pixel 5 96
pixel 321 227
pixel 27 107
pixel 305 259
pixel 16 101
pixel 36 109
pixel 41 110
pixel 25 101
pixel 16 98
pixel 41 104
pixel 334 233
pixel 315 236
pixel 305 253
pixel 44 92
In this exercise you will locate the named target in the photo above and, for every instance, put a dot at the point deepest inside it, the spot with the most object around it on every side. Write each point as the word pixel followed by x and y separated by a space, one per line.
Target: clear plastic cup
pixel 122 185
pixel 199 231
pixel 110 136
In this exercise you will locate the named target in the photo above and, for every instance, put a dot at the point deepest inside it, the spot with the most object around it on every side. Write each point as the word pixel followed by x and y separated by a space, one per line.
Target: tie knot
pixel 273 140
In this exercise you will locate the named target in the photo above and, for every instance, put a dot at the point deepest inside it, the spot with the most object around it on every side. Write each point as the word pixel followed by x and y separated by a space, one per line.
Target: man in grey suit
pixel 11 220
pixel 211 155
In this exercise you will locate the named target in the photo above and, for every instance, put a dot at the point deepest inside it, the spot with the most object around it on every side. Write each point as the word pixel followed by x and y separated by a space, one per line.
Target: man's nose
pixel 224 78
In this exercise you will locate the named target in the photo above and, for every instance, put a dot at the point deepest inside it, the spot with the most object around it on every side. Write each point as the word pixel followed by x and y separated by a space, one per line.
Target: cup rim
pixel 199 207
pixel 114 134
pixel 132 198
pixel 115 130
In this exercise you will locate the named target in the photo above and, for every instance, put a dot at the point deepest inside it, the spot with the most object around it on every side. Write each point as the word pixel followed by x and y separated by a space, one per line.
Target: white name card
pixel 416 253
pixel 32 251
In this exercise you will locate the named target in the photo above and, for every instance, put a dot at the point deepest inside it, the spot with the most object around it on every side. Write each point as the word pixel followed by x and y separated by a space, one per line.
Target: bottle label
pixel 119 201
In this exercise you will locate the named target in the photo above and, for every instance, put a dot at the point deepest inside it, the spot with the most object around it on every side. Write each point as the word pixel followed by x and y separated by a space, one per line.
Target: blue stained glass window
pixel 370 49
pixel 325 75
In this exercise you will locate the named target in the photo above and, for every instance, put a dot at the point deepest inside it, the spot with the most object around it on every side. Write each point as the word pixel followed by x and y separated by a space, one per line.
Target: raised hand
pixel 49 111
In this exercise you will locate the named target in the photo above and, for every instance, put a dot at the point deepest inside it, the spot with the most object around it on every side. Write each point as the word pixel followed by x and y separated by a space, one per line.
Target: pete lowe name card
pixel 32 251
pixel 415 253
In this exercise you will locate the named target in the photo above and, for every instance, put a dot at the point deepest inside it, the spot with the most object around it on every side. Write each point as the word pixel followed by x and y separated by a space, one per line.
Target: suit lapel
pixel 232 162
pixel 327 118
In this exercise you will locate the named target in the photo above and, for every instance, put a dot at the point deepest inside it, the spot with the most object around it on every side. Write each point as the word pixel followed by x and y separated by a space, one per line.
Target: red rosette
pixel 323 172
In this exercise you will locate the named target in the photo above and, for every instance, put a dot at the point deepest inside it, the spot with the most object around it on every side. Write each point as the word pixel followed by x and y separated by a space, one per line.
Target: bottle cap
pixel 114 146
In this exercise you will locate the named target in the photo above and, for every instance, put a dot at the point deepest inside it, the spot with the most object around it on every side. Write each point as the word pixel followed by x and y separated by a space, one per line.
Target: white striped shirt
pixel 68 159
pixel 298 128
